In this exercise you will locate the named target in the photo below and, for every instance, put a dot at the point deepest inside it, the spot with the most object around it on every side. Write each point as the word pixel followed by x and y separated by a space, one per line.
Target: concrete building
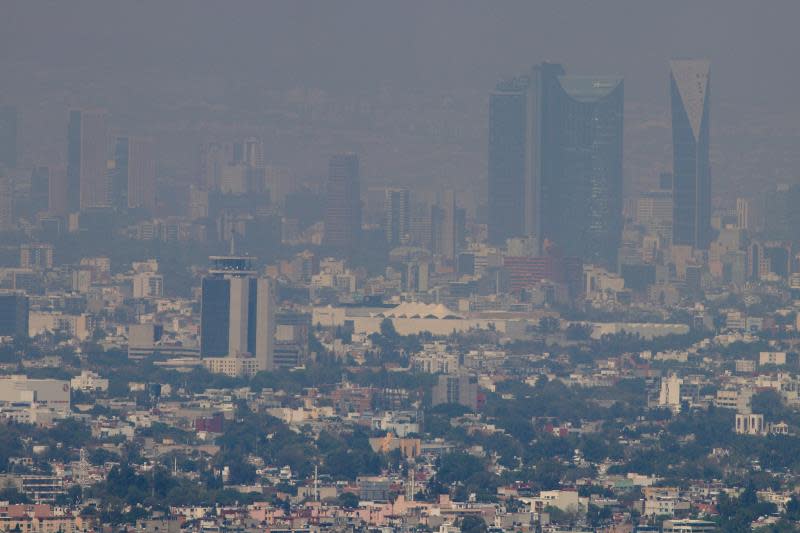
pixel 670 393
pixel 459 389
pixel 36 255
pixel 750 424
pixel 688 526
pixel 237 324
pixel 49 393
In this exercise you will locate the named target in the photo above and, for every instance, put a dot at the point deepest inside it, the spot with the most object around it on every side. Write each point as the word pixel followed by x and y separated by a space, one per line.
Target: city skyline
pixel 417 267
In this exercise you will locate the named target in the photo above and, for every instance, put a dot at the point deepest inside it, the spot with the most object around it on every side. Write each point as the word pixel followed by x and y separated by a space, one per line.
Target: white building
pixel 670 394
pixel 89 381
pixel 750 424
pixel 148 285
pixel 48 393
pixel 772 358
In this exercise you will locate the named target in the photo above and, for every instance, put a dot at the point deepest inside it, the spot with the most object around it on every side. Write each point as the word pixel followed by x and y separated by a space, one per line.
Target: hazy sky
pixel 138 58
pixel 345 44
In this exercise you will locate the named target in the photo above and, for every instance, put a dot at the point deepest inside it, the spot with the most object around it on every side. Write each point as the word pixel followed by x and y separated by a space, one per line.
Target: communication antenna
pixel 316 484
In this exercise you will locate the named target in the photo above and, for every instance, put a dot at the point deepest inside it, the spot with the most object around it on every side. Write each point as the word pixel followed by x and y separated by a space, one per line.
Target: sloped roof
pixel 691 79
pixel 420 310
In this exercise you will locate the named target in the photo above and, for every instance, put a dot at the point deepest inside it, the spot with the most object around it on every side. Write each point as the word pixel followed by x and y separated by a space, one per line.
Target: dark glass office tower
pixel 397 216
pixel 555 162
pixel 9 124
pixel 237 312
pixel 582 201
pixel 506 173
pixel 343 206
pixel 690 91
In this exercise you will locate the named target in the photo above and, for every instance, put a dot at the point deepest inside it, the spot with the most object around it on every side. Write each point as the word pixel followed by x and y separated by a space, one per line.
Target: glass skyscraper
pixel 555 162
pixel 343 206
pixel 507 146
pixel 582 204
pixel 690 92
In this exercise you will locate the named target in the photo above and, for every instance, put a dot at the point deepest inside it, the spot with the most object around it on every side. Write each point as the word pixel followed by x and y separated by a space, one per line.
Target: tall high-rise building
pixel 237 322
pixel 742 213
pixel 58 191
pixel 397 216
pixel 508 128
pixel 582 210
pixel 253 152
pixel 6 203
pixel 14 313
pixel 40 189
pixel 690 92
pixel 343 206
pixel 555 162
pixel 9 132
pixel 87 158
pixel 133 178
pixel 449 228
pixel 214 157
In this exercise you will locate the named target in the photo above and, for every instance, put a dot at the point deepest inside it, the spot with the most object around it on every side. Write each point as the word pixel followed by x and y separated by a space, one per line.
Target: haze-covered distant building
pixel 133 180
pixel 555 162
pixel 508 133
pixel 343 205
pixel 690 92
pixel 397 216
pixel 87 159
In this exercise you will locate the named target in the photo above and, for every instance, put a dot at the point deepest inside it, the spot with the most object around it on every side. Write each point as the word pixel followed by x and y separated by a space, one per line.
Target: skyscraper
pixel 343 207
pixel 450 226
pixel 582 210
pixel 58 191
pixel 40 189
pixel 237 323
pixel 133 179
pixel 690 92
pixel 6 203
pixel 555 162
pixel 87 174
pixel 9 126
pixel 397 216
pixel 507 152
pixel 743 213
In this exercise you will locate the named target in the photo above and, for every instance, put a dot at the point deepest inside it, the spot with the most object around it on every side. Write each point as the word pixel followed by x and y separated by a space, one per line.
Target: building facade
pixel 690 92
pixel 87 173
pixel 343 207
pixel 237 323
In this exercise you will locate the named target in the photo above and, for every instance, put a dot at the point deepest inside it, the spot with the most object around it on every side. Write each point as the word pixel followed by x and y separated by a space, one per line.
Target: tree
pixel 348 500
pixel 578 331
pixel 473 524
pixel 549 325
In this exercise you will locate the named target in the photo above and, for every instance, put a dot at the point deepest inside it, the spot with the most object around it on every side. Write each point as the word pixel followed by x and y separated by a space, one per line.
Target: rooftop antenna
pixel 316 484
